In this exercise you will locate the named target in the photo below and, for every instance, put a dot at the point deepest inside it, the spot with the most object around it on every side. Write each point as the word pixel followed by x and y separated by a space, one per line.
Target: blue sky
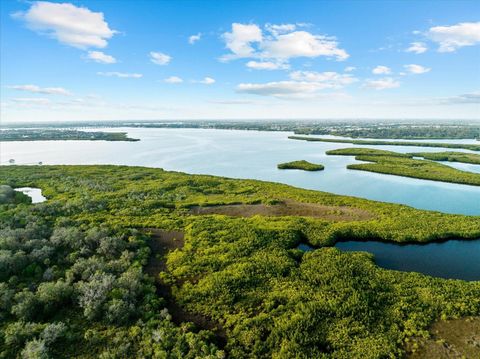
pixel 133 60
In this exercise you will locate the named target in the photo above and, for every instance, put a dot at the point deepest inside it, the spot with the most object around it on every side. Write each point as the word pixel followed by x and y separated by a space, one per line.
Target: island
pixel 471 147
pixel 62 135
pixel 300 165
pixel 141 262
pixel 400 164
pixel 449 156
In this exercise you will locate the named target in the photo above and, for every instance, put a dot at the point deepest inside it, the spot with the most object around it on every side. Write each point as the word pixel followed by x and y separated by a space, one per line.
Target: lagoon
pixel 253 154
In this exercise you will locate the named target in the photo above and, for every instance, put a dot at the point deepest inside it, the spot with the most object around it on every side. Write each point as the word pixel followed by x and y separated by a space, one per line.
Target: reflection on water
pixel 34 193
pixel 453 259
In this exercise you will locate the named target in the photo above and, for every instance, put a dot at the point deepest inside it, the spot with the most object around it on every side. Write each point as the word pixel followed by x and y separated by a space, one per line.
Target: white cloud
pixel 120 74
pixel 71 25
pixel 207 81
pixel 382 84
pixel 280 29
pixel 416 69
pixel 381 70
pixel 417 47
pixel 240 40
pixel 281 43
pixel 350 68
pixel 267 65
pixel 279 88
pixel 302 84
pixel 451 38
pixel 160 58
pixel 469 98
pixel 173 80
pixel 194 38
pixel 327 79
pixel 302 44
pixel 32 100
pixel 42 90
pixel 101 57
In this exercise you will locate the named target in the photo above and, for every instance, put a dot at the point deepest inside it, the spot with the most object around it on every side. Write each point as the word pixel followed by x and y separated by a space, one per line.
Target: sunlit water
pixel 34 193
pixel 253 154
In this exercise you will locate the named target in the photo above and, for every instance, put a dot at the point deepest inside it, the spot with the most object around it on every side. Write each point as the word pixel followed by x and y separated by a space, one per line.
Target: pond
pixel 34 193
pixel 453 259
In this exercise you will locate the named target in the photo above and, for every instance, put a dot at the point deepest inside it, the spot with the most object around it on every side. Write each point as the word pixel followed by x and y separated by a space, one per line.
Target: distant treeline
pixel 61 135
pixel 347 128
pixel 465 146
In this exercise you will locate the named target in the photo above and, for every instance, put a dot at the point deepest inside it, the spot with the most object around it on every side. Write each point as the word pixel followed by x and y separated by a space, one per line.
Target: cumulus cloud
pixel 417 47
pixel 327 79
pixel 239 41
pixel 194 38
pixel 451 38
pixel 302 44
pixel 159 58
pixel 207 81
pixel 42 90
pixel 71 25
pixel 279 44
pixel 267 65
pixel 280 29
pixel 302 84
pixel 416 69
pixel 382 84
pixel 120 74
pixel 381 70
pixel 350 68
pixel 101 57
pixel 173 80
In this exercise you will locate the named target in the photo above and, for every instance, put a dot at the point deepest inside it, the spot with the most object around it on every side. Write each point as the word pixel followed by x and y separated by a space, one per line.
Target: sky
pixel 167 60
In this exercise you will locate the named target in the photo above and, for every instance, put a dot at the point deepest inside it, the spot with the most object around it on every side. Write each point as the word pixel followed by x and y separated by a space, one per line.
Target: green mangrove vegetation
pixel 472 147
pixel 61 135
pixel 354 151
pixel 449 156
pixel 399 164
pixel 300 165
pixel 77 280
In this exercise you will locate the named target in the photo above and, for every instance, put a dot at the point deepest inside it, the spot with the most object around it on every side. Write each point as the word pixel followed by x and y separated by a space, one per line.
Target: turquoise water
pixel 252 154
pixel 454 259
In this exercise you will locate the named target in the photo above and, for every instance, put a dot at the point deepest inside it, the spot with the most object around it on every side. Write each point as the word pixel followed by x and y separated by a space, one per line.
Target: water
pixel 252 154
pixel 34 193
pixel 454 259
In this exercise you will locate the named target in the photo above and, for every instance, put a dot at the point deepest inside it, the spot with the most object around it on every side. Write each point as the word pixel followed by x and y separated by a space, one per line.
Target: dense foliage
pixel 61 135
pixel 300 165
pixel 404 165
pixel 389 143
pixel 449 156
pixel 73 282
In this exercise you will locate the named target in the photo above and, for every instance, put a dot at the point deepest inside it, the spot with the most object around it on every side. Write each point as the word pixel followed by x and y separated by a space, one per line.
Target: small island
pixel 300 165
pixel 62 135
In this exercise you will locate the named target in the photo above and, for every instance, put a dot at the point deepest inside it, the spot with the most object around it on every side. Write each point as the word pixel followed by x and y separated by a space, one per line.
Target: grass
pixel 300 165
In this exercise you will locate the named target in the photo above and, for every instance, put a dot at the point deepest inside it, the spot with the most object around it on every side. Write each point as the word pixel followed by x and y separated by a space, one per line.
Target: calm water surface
pixel 454 259
pixel 252 154
pixel 34 193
